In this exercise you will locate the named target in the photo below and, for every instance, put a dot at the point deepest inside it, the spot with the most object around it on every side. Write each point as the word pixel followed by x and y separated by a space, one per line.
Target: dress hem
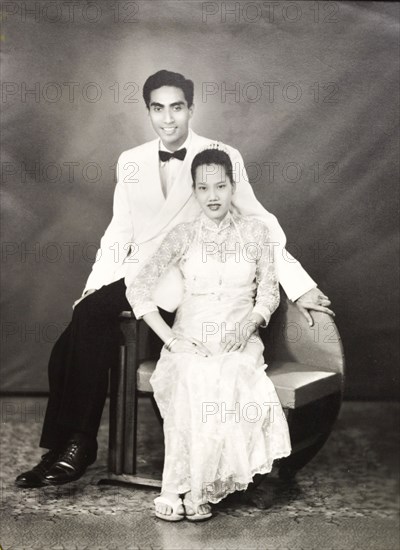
pixel 237 485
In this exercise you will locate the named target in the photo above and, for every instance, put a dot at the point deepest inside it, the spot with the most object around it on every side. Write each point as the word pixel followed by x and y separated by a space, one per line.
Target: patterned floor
pixel 346 498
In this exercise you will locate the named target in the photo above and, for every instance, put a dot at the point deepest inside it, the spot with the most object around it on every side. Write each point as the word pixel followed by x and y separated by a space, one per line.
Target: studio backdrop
pixel 305 90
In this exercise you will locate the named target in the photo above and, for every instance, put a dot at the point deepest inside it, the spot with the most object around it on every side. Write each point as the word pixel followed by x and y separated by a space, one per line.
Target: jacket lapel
pixel 177 198
pixel 149 178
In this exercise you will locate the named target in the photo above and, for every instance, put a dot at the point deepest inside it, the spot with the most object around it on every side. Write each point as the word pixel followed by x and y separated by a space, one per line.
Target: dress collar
pixel 212 226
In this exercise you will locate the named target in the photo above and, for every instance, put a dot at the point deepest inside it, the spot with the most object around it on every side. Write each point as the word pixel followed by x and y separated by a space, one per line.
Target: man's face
pixel 169 114
pixel 213 190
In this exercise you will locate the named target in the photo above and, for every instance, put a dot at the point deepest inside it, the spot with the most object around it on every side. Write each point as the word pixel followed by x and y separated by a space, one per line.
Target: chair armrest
pixel 129 326
pixel 290 338
pixel 135 334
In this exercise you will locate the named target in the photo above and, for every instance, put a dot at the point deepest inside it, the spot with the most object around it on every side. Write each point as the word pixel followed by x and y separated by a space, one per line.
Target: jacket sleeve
pixel 291 275
pixel 115 243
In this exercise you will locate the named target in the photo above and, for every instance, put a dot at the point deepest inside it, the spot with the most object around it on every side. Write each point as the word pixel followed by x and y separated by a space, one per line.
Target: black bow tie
pixel 165 156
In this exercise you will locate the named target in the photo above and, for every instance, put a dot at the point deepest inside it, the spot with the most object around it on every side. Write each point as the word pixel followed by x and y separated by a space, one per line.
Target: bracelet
pixel 170 343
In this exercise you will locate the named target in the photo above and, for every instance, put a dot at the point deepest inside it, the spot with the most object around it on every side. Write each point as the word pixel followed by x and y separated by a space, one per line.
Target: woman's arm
pixel 139 292
pixel 175 343
pixel 267 297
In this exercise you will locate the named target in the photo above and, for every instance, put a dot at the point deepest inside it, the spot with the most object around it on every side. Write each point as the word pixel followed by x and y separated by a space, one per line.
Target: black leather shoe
pixel 71 463
pixel 34 477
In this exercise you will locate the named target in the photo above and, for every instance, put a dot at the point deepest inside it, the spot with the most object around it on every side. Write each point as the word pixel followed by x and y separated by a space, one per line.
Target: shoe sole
pixel 178 517
pixel 29 485
pixel 198 517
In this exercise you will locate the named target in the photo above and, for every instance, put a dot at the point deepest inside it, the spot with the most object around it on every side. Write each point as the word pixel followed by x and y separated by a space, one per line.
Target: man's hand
pixel 83 297
pixel 314 300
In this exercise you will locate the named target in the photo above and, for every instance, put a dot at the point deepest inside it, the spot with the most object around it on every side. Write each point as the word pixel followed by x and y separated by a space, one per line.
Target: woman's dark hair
pixel 167 78
pixel 212 156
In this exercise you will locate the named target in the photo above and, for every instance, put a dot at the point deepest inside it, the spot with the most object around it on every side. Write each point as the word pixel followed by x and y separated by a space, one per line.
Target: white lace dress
pixel 223 421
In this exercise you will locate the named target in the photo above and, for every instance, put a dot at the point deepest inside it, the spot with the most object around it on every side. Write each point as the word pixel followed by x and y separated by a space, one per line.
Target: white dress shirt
pixel 170 169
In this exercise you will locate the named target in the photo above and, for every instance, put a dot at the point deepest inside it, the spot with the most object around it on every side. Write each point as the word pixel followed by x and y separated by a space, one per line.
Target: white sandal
pixel 174 515
pixel 196 516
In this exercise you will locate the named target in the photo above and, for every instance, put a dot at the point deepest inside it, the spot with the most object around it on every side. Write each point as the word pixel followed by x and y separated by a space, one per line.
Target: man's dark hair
pixel 212 156
pixel 167 78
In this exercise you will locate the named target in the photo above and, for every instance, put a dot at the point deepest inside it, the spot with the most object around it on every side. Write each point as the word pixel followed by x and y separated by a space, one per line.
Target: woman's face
pixel 213 190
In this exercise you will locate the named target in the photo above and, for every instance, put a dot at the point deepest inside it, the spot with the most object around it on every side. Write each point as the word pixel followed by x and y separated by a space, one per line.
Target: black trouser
pixel 79 365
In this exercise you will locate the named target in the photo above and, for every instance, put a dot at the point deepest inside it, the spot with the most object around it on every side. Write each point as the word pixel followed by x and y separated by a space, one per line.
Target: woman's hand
pixel 189 345
pixel 238 341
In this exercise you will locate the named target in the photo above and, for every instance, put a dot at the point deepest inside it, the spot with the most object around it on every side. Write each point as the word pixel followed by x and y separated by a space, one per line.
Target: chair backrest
pixel 290 338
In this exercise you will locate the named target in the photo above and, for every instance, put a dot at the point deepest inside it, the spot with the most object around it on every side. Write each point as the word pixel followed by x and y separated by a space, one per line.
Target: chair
pixel 306 366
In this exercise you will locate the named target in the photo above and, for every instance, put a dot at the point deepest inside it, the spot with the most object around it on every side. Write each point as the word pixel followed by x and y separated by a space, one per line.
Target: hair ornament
pixel 218 146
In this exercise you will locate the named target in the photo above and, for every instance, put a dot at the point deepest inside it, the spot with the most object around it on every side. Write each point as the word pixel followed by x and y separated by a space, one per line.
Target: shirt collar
pixel 212 226
pixel 162 147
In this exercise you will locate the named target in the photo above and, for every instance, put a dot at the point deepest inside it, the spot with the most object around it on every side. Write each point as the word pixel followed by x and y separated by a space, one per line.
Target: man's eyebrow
pixel 176 104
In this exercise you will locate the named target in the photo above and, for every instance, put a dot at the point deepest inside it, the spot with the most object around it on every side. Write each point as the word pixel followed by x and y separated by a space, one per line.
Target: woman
pixel 223 422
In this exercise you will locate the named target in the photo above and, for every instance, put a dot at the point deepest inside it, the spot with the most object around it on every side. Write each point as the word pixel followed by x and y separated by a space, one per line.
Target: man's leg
pixel 79 364
pixel 78 379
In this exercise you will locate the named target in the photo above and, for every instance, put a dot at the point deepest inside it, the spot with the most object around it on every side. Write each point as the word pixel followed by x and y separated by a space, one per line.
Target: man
pixel 153 193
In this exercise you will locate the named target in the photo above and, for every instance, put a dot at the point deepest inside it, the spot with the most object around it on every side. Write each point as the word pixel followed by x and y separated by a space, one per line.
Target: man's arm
pixel 114 245
pixel 297 284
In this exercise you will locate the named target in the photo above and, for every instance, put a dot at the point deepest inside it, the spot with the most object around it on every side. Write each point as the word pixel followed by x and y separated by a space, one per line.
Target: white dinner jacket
pixel 142 216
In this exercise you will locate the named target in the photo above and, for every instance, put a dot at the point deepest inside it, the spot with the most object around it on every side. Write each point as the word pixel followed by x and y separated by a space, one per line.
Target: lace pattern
pixel 212 446
pixel 237 238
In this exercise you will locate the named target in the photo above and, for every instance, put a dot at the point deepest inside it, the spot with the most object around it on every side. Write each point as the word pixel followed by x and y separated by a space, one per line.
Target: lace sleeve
pixel 267 298
pixel 139 292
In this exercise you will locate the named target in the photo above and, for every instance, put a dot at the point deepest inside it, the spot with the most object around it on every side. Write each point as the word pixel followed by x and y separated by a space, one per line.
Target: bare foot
pixel 198 510
pixel 170 506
